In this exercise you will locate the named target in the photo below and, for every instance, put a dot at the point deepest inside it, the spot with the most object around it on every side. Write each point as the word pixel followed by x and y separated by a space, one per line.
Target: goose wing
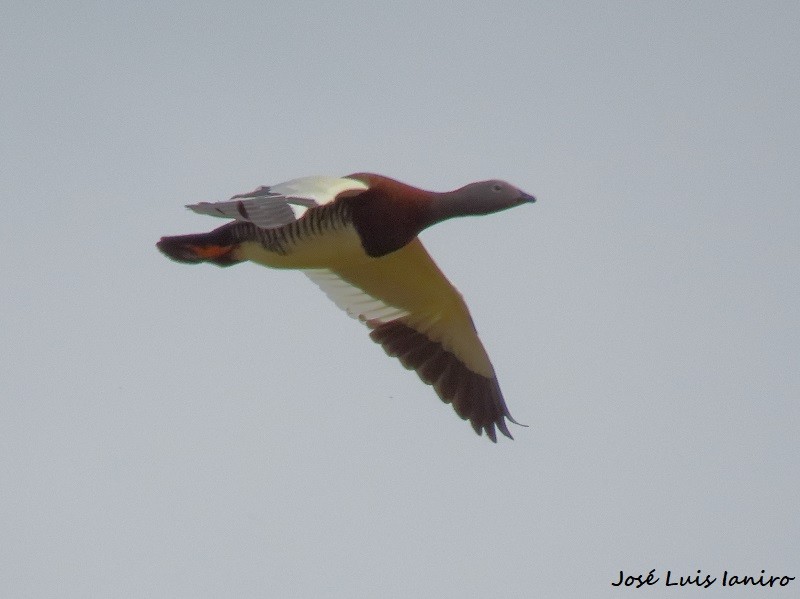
pixel 417 315
pixel 273 206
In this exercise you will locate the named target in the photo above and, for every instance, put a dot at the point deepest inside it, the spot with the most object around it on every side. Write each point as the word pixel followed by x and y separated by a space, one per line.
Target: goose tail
pixel 217 247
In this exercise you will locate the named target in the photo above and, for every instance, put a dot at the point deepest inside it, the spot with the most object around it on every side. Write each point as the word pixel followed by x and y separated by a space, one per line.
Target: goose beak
pixel 526 197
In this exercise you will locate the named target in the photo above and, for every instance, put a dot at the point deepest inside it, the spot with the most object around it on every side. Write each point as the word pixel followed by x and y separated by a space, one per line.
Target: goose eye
pixel 496 187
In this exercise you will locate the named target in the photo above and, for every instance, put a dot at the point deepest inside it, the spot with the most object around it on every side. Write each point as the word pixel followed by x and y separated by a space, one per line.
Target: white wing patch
pixel 277 205
pixel 351 299
pixel 320 189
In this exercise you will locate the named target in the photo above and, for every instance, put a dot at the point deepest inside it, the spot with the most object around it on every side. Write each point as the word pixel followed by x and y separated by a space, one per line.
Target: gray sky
pixel 174 431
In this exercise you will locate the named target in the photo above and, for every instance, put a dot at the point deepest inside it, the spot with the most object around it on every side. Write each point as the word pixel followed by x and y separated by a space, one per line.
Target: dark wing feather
pixel 474 397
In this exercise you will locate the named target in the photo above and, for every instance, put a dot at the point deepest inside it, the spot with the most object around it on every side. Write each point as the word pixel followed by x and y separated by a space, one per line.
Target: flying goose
pixel 356 237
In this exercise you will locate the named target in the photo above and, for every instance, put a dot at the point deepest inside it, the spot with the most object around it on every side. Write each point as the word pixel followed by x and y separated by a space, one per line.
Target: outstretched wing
pixel 417 315
pixel 273 206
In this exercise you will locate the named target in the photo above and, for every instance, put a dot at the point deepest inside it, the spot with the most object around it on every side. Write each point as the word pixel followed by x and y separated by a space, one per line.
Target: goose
pixel 356 237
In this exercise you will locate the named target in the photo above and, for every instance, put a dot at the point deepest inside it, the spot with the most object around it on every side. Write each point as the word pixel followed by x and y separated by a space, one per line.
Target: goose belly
pixel 326 249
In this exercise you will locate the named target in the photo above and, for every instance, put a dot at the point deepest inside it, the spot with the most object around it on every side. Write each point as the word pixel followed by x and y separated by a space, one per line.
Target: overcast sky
pixel 175 431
